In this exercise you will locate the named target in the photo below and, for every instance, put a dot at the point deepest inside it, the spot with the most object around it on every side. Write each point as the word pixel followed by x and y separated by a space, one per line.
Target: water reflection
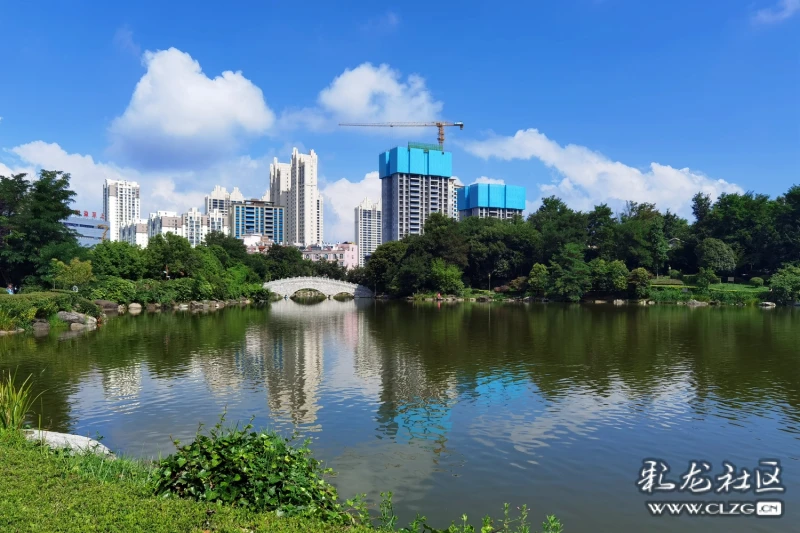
pixel 452 407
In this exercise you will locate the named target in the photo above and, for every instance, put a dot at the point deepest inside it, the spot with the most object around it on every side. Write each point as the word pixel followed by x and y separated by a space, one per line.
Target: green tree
pixel 31 215
pixel 601 227
pixel 659 248
pixel 446 278
pixel 608 276
pixel 169 256
pixel 785 285
pixel 705 278
pixel 569 273
pixel 118 259
pixel 539 279
pixel 76 273
pixel 558 225
pixel 235 250
pixel 639 280
pixel 383 265
pixel 716 255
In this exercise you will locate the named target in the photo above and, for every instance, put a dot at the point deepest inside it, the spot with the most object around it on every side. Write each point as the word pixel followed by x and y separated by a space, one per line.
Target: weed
pixel 15 401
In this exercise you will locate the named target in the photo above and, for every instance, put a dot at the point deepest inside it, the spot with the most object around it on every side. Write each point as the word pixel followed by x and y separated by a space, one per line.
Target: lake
pixel 455 407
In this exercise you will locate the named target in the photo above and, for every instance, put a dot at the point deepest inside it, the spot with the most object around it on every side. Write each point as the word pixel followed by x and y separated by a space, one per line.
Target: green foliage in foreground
pixel 19 310
pixel 44 490
pixel 259 470
pixel 16 400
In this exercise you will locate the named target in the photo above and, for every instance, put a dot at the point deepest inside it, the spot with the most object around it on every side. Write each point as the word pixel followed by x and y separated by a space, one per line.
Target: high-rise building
pixel 256 217
pixel 196 225
pixel 88 230
pixel 280 180
pixel 368 228
pixel 221 200
pixel 415 182
pixel 293 186
pixel 135 233
pixel 121 205
pixel 163 222
pixel 489 200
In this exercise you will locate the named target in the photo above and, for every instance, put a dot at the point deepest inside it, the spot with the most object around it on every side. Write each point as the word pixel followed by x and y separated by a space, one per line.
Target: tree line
pixel 556 252
pixel 38 252
pixel 564 253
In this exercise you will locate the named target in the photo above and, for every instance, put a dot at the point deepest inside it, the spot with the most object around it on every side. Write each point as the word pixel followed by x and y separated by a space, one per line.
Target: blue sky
pixel 591 100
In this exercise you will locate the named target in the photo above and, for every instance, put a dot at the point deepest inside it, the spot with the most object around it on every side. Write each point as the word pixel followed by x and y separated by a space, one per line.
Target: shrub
pixel 519 284
pixel 705 278
pixel 733 297
pixel 674 274
pixel 114 289
pixel 669 295
pixel 639 280
pixel 757 282
pixel 258 470
pixel 22 309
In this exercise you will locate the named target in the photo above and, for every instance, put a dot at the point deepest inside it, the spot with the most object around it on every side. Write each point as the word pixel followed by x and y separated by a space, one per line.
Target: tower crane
pixel 439 124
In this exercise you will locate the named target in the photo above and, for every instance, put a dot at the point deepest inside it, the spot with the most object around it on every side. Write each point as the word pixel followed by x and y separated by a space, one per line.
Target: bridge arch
pixel 327 286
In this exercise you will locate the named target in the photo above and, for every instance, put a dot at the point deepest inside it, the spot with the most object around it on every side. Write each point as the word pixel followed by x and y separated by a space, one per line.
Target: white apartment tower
pixel 220 199
pixel 368 228
pixel 293 185
pixel 121 205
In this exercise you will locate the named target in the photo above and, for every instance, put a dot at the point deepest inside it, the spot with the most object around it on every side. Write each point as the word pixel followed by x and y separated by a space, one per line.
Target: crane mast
pixel 439 124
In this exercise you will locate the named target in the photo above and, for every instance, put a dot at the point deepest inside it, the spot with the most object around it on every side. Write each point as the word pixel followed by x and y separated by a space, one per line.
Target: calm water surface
pixel 455 408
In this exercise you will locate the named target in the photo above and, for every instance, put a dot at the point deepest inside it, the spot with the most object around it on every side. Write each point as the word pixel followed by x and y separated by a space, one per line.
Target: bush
pixel 674 274
pixel 261 471
pixel 757 282
pixel 114 289
pixel 20 310
pixel 733 297
pixel 705 278
pixel 639 280
pixel 669 295
pixel 519 284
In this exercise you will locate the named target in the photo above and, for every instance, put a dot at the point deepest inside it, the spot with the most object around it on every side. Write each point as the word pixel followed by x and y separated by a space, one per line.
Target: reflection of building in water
pixel 122 387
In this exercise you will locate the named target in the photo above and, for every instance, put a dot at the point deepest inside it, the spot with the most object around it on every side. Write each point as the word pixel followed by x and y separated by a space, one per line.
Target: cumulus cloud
pixel 588 178
pixel 781 11
pixel 341 198
pixel 367 94
pixel 493 181
pixel 174 191
pixel 180 118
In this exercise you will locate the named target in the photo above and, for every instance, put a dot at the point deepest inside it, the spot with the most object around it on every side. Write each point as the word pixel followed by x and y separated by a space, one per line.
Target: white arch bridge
pixel 328 287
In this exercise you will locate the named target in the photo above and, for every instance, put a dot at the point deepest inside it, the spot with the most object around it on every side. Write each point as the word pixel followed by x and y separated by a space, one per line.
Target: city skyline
pixel 593 101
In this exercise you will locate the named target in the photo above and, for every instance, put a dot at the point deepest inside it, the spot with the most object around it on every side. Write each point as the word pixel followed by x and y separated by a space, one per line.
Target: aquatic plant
pixel 15 400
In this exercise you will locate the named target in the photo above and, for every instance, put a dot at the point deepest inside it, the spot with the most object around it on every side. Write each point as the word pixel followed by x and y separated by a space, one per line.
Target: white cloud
pixel 123 39
pixel 387 22
pixel 589 178
pixel 174 191
pixel 341 198
pixel 494 181
pixel 180 118
pixel 781 11
pixel 367 94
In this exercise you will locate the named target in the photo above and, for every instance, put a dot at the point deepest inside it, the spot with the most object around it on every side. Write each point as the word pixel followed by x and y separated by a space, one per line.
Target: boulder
pixel 767 304
pixel 59 441
pixel 108 306
pixel 70 317
pixel 695 303
pixel 619 302
pixel 121 308
pixel 41 327
pixel 153 308
pixel 91 322
pixel 11 332
pixel 77 326
pixel 135 307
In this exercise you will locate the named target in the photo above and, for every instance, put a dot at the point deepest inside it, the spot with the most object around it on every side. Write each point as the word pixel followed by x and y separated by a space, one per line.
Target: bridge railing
pixel 312 279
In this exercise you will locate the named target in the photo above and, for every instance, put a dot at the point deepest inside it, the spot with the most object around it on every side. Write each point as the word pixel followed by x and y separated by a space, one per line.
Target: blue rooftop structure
pixel 492 196
pixel 415 159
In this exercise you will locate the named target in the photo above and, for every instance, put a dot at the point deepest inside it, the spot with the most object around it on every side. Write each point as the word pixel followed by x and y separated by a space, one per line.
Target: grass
pixel 16 401
pixel 44 490
pixel 737 287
